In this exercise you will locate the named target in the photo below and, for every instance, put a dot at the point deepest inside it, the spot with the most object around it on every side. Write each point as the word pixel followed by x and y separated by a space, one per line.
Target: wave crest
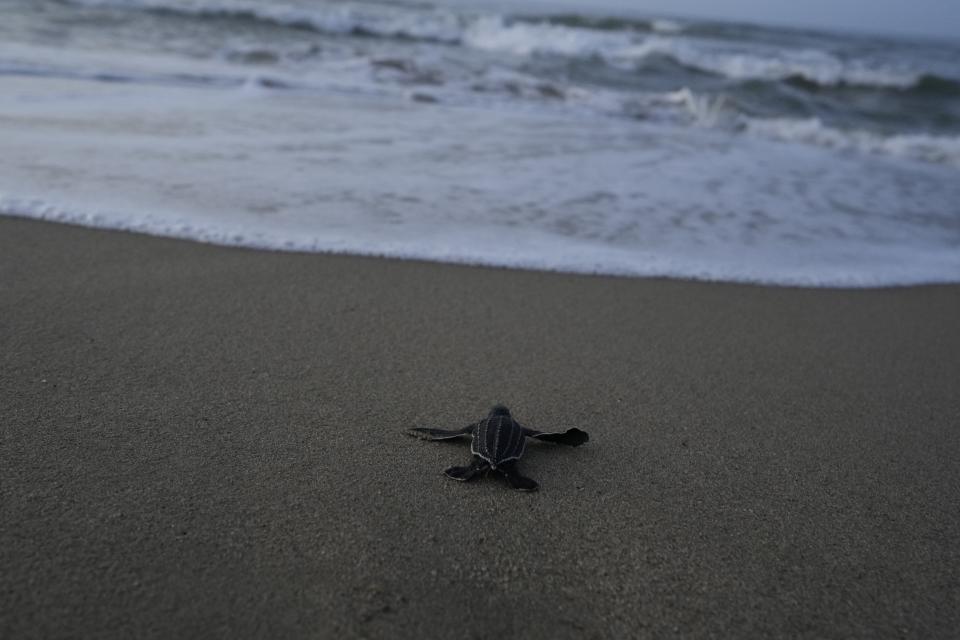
pixel 344 19
pixel 810 65
pixel 923 147
pixel 617 41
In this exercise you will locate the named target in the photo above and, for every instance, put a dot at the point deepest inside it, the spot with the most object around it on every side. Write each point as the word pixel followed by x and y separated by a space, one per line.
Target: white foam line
pixel 560 259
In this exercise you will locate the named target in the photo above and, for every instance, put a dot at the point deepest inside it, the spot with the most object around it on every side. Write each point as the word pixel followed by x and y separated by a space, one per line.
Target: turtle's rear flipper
pixel 517 481
pixel 571 437
pixel 466 473
pixel 442 434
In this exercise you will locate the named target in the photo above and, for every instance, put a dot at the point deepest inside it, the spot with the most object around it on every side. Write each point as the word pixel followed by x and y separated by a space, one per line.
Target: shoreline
pixel 208 441
pixel 220 239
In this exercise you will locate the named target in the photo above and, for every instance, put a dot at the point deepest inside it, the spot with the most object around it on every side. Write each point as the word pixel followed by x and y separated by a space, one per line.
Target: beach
pixel 201 441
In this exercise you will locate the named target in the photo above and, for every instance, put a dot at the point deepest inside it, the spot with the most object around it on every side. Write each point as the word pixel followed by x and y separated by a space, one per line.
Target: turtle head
pixel 499 410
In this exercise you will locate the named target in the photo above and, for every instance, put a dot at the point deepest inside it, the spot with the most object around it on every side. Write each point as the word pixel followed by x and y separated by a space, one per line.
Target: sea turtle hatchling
pixel 498 442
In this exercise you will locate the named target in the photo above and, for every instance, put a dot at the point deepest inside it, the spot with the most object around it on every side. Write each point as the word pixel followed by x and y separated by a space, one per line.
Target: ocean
pixel 498 134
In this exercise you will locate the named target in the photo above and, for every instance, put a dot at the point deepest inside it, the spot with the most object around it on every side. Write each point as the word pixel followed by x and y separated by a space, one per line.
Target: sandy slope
pixel 204 442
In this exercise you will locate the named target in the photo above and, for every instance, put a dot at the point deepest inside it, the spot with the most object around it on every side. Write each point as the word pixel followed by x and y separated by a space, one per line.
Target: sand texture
pixel 208 442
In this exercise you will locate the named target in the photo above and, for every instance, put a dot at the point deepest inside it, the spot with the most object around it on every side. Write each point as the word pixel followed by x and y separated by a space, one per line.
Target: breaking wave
pixel 344 19
pixel 923 147
pixel 811 65
pixel 616 41
pixel 813 92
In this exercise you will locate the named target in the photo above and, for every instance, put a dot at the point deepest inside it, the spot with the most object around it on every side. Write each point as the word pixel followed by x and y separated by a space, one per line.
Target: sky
pixel 937 18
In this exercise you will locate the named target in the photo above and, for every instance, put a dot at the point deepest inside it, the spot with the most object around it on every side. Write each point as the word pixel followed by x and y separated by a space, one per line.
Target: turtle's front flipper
pixel 517 481
pixel 571 437
pixel 466 473
pixel 443 434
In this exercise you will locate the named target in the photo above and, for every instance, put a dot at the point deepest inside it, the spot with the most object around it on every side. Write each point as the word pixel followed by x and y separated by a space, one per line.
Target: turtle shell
pixel 497 439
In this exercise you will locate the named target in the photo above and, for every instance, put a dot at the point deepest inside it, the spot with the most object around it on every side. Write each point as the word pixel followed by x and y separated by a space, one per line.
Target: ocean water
pixel 503 134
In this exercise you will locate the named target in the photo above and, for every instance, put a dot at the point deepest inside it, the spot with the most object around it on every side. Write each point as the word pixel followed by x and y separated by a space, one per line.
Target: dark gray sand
pixel 208 442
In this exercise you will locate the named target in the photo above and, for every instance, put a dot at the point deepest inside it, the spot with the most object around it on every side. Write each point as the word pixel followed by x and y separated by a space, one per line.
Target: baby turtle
pixel 498 442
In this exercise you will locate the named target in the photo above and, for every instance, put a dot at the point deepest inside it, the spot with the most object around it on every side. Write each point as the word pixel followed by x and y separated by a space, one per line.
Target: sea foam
pixel 568 143
pixel 287 172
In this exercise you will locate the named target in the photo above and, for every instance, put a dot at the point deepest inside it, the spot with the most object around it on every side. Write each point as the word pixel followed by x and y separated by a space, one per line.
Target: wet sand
pixel 208 442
